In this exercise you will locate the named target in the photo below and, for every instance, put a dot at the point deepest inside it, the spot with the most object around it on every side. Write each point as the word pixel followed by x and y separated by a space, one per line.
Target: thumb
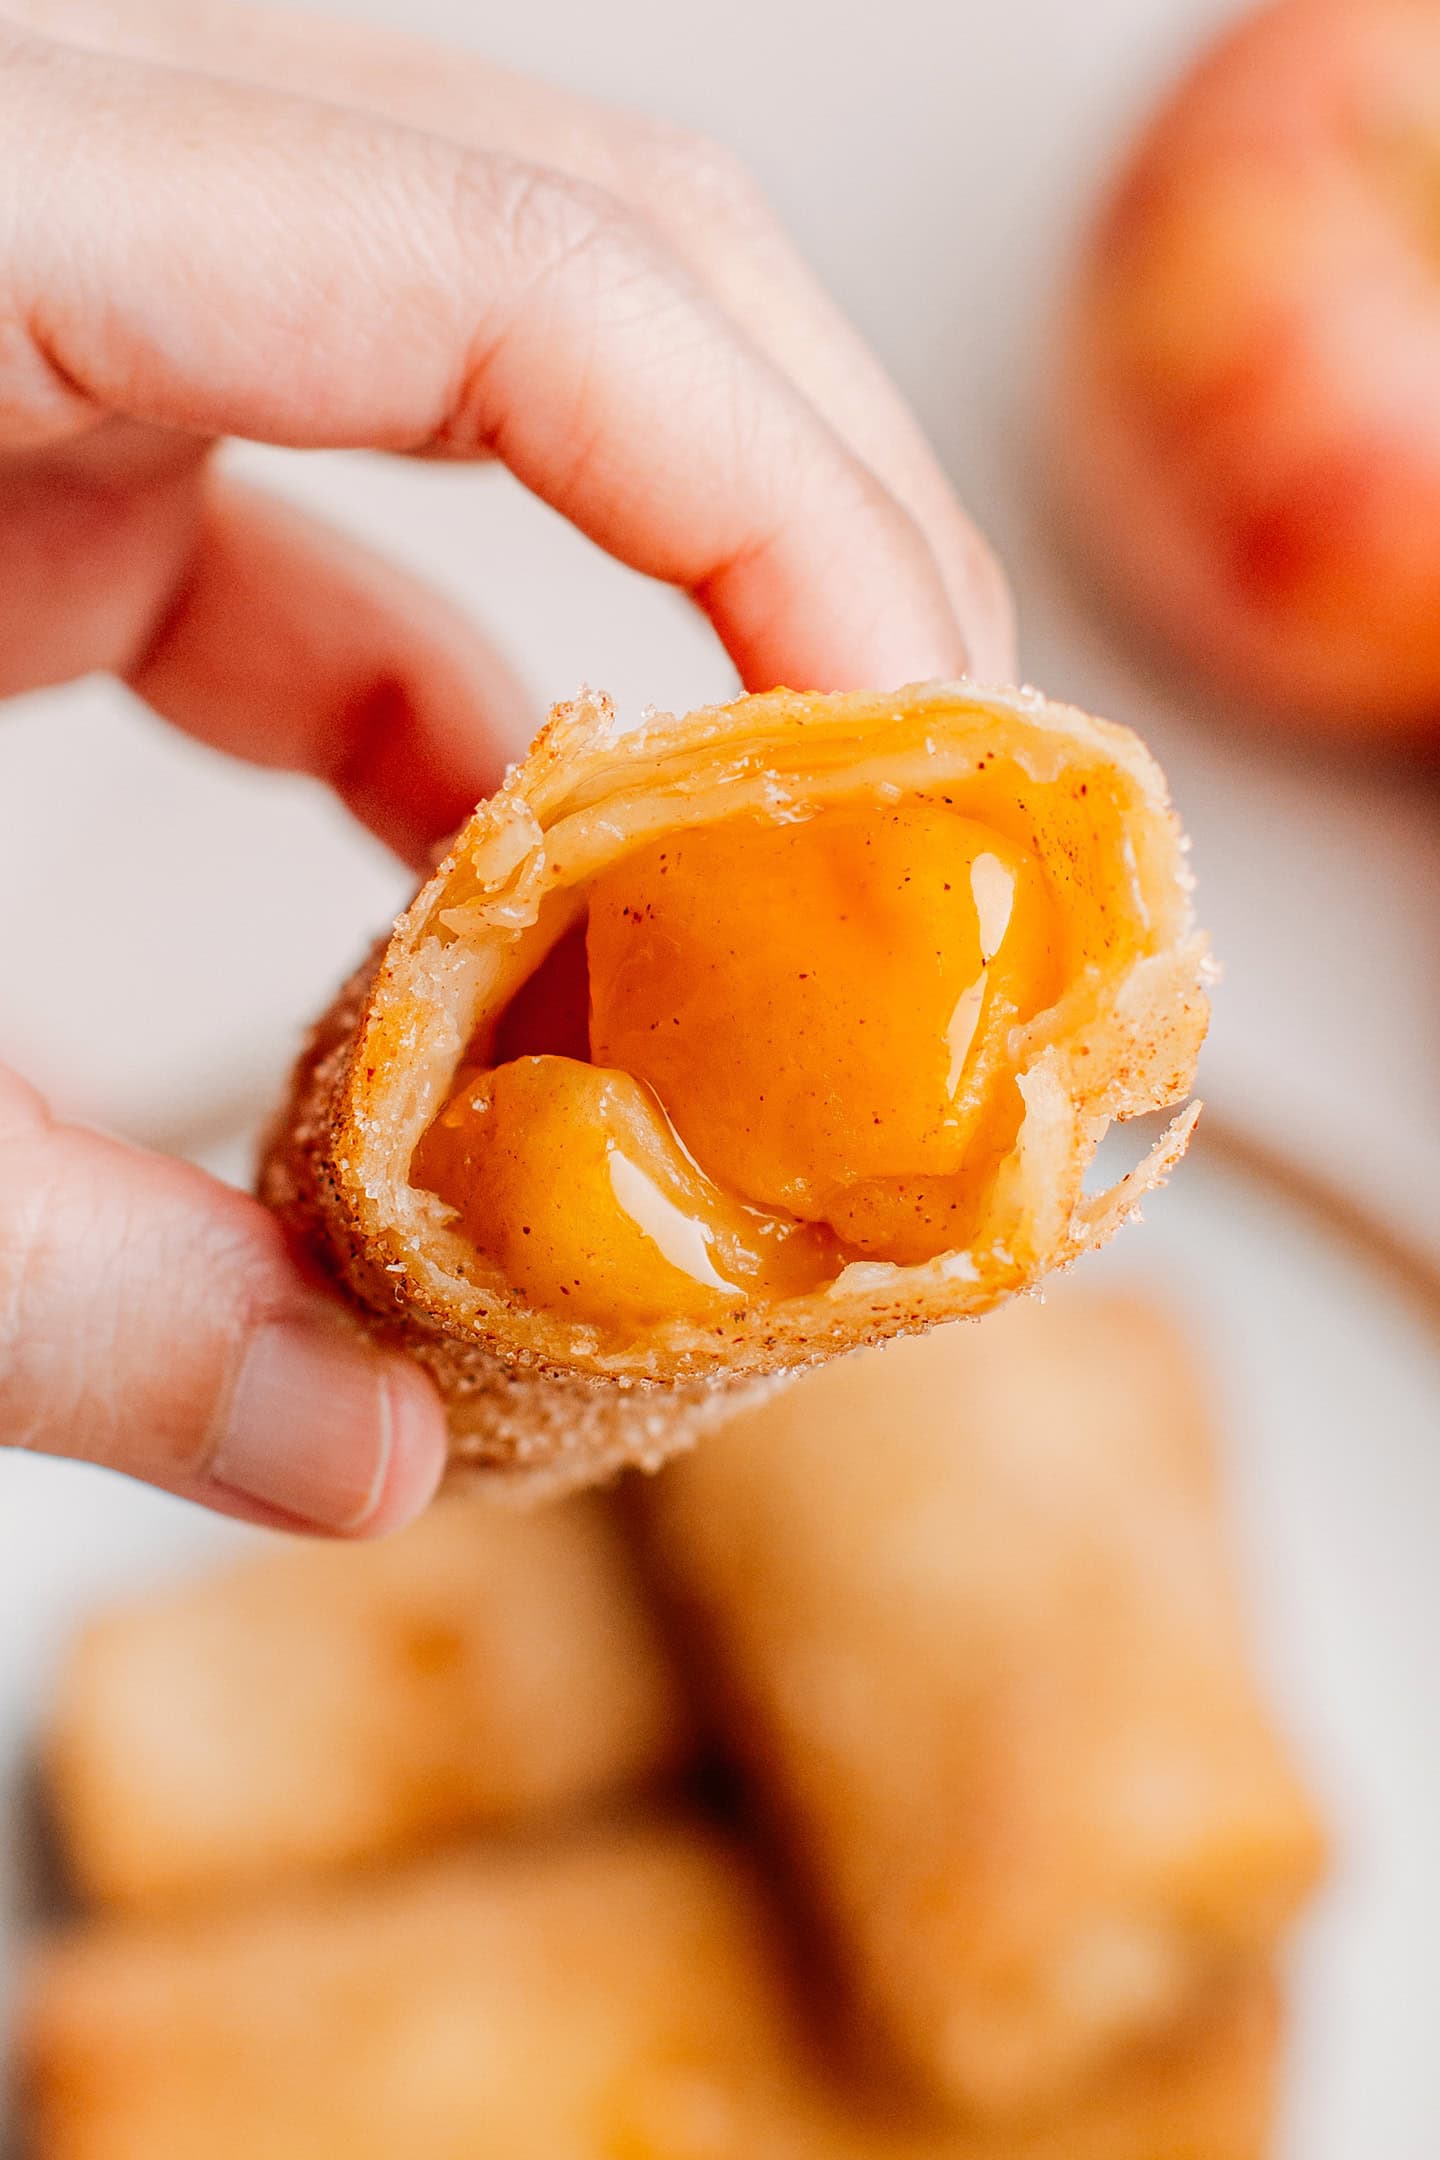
pixel 154 1321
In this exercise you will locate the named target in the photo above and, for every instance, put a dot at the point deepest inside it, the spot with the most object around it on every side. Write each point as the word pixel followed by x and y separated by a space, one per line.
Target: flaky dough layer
pixel 543 1402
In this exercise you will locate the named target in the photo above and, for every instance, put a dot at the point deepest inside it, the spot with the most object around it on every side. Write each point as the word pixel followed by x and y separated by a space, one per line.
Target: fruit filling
pixel 571 1179
pixel 770 1049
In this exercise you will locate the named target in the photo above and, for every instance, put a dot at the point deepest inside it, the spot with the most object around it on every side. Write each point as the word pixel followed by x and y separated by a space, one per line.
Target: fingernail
pixel 313 1420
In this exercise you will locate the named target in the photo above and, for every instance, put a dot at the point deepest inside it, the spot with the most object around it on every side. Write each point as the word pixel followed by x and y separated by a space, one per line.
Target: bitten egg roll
pixel 721 1046
pixel 620 1998
pixel 971 1618
pixel 325 1704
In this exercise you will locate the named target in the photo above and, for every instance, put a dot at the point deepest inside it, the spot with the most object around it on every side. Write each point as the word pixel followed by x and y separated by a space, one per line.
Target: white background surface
pixel 933 159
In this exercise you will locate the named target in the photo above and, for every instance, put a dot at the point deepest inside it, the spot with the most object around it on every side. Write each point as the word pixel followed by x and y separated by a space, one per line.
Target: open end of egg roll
pixel 765 1050
pixel 721 1046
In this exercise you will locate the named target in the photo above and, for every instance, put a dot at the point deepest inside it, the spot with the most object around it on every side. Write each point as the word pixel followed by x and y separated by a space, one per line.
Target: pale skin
pixel 216 220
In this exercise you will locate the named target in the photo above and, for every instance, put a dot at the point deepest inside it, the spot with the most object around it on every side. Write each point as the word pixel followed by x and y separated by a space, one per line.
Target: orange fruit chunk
pixel 823 1008
pixel 569 1178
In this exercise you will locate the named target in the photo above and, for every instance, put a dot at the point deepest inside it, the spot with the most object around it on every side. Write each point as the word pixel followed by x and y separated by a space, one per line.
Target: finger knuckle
pixel 540 221
pixel 697 179
pixel 569 260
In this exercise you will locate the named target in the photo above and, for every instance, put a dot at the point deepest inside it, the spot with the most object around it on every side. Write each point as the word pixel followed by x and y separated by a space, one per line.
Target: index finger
pixel 209 256
pixel 690 192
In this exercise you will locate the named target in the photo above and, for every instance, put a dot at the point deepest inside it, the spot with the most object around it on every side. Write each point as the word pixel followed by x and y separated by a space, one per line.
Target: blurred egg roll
pixel 969 1614
pixel 620 1997
pixel 320 1705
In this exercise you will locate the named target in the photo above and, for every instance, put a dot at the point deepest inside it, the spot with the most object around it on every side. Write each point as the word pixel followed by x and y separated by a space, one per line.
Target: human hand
pixel 213 221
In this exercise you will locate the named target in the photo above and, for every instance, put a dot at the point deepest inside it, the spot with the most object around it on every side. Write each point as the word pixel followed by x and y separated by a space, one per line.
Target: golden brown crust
pixel 526 2000
pixel 549 1403
pixel 969 1617
pixel 319 1706
pixel 622 1996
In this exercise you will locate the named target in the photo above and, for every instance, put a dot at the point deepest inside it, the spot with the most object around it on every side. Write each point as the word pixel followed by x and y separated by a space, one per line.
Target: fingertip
pixel 416 1453
pixel 327 1430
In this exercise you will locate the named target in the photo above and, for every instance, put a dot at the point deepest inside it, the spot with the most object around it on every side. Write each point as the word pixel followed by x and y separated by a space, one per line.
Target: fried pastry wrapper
pixel 323 1705
pixel 562 1389
pixel 620 1998
pixel 970 1617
